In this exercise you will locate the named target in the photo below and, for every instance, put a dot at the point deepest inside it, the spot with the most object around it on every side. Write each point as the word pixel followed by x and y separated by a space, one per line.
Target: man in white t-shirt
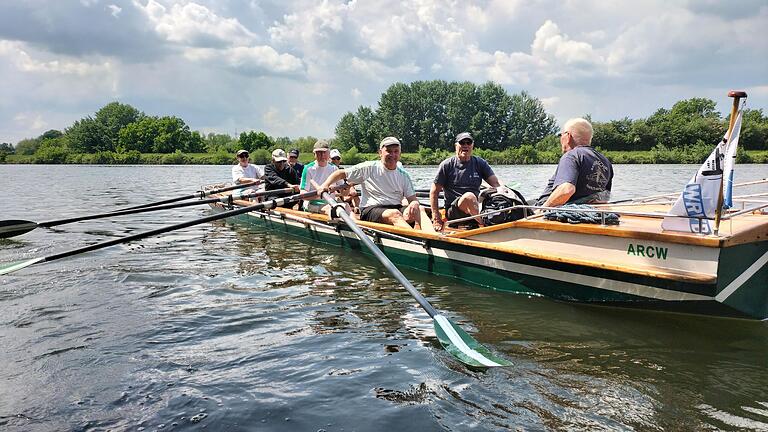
pixel 384 184
pixel 245 172
pixel 316 172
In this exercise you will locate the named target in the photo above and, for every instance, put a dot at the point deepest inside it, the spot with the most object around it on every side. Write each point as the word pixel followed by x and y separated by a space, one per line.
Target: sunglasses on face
pixel 336 158
pixel 466 142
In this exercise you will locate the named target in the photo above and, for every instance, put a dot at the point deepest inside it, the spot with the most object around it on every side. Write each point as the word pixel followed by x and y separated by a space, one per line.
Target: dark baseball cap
pixel 294 152
pixel 463 136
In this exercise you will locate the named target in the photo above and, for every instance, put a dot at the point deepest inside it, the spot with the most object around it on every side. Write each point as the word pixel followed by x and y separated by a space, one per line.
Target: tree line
pixel 430 114
pixel 425 115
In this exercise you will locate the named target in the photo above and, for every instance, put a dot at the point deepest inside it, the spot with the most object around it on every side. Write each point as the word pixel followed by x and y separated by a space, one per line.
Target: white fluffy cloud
pixel 293 68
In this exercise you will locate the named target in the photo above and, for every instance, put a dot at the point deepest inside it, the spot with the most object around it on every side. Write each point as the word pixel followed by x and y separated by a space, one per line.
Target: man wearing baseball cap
pixel 315 173
pixel 336 157
pixel 245 172
pixel 280 175
pixel 293 160
pixel 384 184
pixel 460 177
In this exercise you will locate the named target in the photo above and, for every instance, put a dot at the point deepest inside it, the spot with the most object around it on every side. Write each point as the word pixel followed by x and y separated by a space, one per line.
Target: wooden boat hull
pixel 571 266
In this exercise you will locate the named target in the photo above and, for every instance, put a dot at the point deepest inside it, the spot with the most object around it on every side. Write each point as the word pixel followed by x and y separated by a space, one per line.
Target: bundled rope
pixel 569 213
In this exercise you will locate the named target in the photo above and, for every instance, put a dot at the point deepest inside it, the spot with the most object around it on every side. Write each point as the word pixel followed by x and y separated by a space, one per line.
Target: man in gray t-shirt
pixel 460 177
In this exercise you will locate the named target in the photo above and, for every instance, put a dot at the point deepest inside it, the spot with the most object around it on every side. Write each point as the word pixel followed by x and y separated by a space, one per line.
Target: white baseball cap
pixel 335 153
pixel 279 155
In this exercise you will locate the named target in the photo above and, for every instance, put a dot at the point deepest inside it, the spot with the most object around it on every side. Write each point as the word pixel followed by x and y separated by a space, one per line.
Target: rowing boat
pixel 635 263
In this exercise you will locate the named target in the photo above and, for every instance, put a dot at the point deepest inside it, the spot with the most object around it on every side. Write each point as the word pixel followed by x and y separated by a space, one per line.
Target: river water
pixel 227 327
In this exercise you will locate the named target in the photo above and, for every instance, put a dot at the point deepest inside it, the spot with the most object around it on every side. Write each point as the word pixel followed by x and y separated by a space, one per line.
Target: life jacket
pixel 493 199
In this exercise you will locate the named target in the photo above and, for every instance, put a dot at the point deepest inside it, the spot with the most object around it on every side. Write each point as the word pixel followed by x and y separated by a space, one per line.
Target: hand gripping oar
pixel 12 267
pixel 452 337
pixel 198 194
pixel 12 228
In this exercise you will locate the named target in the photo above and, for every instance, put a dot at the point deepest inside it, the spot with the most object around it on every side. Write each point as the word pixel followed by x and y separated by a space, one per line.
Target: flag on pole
pixel 699 197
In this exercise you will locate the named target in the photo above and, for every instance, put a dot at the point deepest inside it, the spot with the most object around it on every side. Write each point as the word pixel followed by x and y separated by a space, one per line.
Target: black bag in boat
pixel 493 199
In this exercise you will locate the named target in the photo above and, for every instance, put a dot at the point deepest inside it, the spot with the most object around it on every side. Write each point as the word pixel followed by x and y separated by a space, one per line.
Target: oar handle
pixel 277 202
pixel 341 212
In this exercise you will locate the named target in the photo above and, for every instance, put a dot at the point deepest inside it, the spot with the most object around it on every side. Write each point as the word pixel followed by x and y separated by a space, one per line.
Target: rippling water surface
pixel 229 327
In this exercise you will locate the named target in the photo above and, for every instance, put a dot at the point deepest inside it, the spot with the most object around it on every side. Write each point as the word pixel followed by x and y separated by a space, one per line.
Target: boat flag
pixel 698 201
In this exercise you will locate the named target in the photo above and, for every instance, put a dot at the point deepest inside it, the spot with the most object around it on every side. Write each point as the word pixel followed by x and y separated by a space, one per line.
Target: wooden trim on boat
pixel 668 274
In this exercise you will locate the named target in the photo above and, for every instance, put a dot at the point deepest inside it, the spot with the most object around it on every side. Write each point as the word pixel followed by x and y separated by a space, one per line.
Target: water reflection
pixel 231 327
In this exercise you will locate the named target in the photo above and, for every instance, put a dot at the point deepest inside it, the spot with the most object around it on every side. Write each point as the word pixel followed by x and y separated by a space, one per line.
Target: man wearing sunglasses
pixel 280 175
pixel 293 160
pixel 583 174
pixel 459 177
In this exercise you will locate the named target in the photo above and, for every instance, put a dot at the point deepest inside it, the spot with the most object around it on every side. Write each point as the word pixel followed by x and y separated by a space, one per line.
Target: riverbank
pixel 525 155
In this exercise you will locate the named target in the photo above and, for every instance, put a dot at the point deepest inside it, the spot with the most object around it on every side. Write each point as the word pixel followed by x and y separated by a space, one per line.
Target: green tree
pixel 27 146
pixel 347 135
pixel 255 140
pixel 138 136
pixel 529 122
pixel 754 130
pixel 88 136
pixel 115 116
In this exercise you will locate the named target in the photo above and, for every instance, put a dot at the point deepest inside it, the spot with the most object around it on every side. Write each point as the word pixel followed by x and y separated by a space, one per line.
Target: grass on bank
pixel 524 155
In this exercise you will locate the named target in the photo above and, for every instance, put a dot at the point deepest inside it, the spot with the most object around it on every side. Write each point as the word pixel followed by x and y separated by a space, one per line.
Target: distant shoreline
pixel 506 157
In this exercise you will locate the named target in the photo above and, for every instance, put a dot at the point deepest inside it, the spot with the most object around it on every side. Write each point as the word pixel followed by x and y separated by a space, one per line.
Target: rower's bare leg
pixel 394 217
pixel 469 205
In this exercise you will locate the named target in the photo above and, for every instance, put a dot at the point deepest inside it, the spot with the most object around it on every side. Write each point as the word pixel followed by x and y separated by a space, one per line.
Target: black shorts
pixel 374 213
pixel 454 212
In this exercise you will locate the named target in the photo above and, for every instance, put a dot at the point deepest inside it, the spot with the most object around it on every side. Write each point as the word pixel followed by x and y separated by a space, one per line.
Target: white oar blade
pixel 12 228
pixel 464 347
pixel 12 267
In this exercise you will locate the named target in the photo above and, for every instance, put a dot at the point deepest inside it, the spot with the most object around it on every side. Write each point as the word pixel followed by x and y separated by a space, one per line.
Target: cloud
pixel 115 10
pixel 15 53
pixel 253 60
pixel 195 25
pixel 27 120
pixel 293 68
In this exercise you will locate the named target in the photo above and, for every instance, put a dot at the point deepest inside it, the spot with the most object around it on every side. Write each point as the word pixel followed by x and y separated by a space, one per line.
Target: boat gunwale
pixel 666 274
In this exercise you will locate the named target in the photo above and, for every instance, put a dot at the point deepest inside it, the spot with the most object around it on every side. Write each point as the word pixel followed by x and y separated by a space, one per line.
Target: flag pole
pixel 736 95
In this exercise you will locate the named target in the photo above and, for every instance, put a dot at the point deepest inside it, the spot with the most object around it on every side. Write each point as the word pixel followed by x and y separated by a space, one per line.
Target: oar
pixel 452 337
pixel 14 227
pixel 14 266
pixel 676 194
pixel 198 194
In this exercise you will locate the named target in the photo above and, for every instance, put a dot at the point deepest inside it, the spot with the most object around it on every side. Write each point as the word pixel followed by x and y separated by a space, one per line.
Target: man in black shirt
pixel 280 175
pixel 583 174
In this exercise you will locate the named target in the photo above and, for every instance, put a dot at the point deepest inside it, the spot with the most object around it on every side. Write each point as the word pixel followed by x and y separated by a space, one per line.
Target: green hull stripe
pixel 739 281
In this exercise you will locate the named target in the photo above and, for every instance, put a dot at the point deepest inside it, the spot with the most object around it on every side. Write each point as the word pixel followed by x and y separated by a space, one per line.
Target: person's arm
pixel 494 181
pixel 273 179
pixel 331 180
pixel 437 218
pixel 560 195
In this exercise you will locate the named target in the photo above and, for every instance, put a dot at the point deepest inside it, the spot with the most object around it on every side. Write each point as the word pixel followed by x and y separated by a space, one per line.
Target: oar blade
pixel 464 347
pixel 14 227
pixel 18 265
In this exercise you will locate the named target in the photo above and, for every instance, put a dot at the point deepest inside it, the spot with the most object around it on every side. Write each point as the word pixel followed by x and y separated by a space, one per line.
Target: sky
pixel 293 68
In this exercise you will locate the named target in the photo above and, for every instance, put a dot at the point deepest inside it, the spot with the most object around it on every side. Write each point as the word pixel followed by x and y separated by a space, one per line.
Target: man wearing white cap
pixel 316 172
pixel 384 185
pixel 336 157
pixel 280 175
